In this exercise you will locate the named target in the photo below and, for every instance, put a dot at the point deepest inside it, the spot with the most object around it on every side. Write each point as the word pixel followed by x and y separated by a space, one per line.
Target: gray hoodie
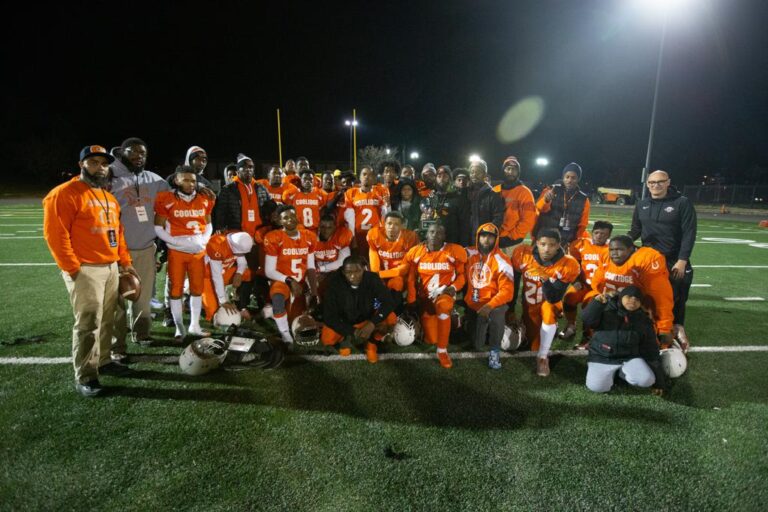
pixel 132 191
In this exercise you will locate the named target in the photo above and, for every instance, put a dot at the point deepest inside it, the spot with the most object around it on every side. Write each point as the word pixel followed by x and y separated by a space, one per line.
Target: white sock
pixel 195 306
pixel 178 316
pixel 546 335
pixel 442 350
pixel 282 326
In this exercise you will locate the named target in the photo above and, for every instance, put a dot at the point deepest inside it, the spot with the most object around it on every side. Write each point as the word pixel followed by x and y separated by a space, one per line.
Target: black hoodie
pixel 667 225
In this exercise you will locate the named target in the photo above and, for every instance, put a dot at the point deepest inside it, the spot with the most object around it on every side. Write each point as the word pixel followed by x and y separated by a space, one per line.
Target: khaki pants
pixel 141 313
pixel 93 295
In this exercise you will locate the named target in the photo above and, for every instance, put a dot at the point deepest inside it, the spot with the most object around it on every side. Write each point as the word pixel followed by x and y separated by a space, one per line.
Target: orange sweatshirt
pixel 77 221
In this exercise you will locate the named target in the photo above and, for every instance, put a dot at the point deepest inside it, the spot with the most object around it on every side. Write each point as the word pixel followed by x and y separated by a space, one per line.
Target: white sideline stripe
pixel 730 266
pixel 18 237
pixel 744 299
pixel 382 357
pixel 26 264
pixel 701 286
pixel 33 231
pixel 168 359
pixel 19 225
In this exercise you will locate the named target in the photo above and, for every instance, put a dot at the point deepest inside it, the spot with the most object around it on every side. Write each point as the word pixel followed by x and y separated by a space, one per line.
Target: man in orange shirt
pixel 590 253
pixel 645 268
pixel 333 246
pixel 81 225
pixel 365 207
pixel 290 266
pixel 520 210
pixel 307 201
pixel 386 254
pixel 435 274
pixel 546 271
pixel 183 221
pixel 275 186
pixel 490 286
pixel 564 207
pixel 225 255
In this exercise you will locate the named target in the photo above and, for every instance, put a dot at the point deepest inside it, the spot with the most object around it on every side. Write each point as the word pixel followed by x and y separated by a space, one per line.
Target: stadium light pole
pixel 664 7
pixel 352 124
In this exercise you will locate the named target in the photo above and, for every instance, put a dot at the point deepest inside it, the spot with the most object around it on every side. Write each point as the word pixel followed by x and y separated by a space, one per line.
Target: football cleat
pixel 494 361
pixel 445 359
pixel 371 353
pixel 542 367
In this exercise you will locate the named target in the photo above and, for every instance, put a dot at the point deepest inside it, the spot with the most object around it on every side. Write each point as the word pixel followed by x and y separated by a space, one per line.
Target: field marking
pixel 8 236
pixel 19 225
pixel 701 286
pixel 730 266
pixel 33 231
pixel 26 264
pixel 411 356
pixel 744 299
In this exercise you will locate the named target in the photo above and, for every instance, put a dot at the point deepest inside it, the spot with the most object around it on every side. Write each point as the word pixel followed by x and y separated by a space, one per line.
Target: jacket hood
pixel 191 153
pixel 489 228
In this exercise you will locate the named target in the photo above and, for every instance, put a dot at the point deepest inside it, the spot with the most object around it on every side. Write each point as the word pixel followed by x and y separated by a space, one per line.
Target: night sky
pixel 435 77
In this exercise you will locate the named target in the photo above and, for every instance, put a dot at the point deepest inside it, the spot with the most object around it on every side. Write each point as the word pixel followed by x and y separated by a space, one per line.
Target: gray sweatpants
pixel 635 371
pixel 491 327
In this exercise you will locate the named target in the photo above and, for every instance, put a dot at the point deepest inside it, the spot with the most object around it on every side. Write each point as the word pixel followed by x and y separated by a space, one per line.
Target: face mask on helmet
pixel 305 330
pixel 202 356
pixel 406 330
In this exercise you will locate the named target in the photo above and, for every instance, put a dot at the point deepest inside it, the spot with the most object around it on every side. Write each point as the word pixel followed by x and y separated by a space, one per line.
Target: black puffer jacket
pixel 485 206
pixel 620 335
pixel 667 224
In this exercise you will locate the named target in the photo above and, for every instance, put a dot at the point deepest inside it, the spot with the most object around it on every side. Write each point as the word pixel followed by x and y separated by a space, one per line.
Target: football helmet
pixel 513 337
pixel 202 356
pixel 305 330
pixel 251 348
pixel 406 330
pixel 224 318
pixel 673 361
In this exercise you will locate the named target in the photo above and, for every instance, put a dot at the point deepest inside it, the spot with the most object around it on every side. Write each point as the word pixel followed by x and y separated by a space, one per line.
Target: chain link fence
pixel 747 195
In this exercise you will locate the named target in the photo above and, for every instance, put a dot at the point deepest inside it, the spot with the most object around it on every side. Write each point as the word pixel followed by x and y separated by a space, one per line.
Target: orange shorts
pixel 330 337
pixel 181 264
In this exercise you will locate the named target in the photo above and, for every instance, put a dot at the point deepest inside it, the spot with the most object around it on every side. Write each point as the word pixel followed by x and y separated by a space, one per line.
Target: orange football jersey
pixel 367 206
pixel 328 251
pixel 429 270
pixel 218 249
pixel 184 217
pixel 386 255
pixel 589 256
pixel 292 253
pixel 276 193
pixel 565 269
pixel 307 206
pixel 646 268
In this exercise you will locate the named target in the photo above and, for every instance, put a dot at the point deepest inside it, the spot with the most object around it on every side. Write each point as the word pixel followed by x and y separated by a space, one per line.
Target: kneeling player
pixel 387 249
pixel 546 271
pixel 356 304
pixel 333 247
pixel 490 286
pixel 225 254
pixel 435 273
pixel 183 221
pixel 289 264
pixel 590 254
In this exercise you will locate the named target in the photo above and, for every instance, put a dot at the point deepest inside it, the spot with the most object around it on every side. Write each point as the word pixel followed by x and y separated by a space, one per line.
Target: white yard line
pixel 730 266
pixel 744 299
pixel 27 264
pixel 170 359
pixel 701 285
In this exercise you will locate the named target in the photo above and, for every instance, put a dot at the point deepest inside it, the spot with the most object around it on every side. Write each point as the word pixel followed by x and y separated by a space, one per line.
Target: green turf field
pixel 399 435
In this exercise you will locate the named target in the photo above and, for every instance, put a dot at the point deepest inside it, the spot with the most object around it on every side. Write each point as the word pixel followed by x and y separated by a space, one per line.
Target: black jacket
pixel 573 212
pixel 485 206
pixel 620 335
pixel 227 213
pixel 344 306
pixel 453 210
pixel 668 225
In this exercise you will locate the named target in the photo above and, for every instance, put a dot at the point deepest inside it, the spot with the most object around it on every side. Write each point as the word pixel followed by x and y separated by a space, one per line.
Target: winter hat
pixel 573 166
pixel 631 291
pixel 510 160
pixel 192 153
pixel 241 158
pixel 240 242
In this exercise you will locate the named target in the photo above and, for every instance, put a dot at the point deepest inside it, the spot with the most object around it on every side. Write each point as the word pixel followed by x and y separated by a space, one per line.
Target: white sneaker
pixel 196 330
pixel 155 304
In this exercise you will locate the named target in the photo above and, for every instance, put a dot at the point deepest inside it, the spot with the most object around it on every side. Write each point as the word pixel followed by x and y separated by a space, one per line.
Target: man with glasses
pixel 666 221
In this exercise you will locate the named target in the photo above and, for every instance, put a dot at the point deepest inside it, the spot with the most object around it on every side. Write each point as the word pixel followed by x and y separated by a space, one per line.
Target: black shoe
pixel 90 389
pixel 114 368
pixel 168 318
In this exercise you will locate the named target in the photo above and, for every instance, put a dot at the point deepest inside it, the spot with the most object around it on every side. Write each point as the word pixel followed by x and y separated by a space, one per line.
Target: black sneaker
pixel 114 368
pixel 90 389
pixel 168 318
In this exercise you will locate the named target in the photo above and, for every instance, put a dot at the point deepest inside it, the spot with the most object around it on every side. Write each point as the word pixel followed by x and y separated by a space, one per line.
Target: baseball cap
pixel 89 151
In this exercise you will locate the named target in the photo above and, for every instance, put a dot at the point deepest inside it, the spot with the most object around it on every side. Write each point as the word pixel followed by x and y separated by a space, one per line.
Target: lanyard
pixel 136 184
pixel 566 202
pixel 105 209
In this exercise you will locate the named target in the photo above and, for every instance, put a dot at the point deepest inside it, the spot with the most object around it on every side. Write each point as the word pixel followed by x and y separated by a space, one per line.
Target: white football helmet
pixel 305 330
pixel 202 356
pixel 674 362
pixel 224 318
pixel 513 337
pixel 406 330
